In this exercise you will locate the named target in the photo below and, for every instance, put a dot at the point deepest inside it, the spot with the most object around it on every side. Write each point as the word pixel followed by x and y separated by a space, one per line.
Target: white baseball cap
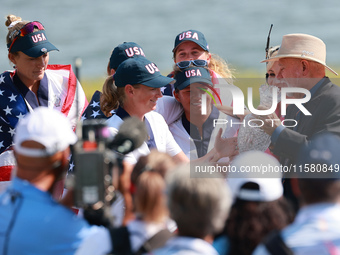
pixel 46 126
pixel 269 184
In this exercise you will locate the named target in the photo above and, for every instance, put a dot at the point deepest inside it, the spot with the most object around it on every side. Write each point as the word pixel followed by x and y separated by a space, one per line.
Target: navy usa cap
pixel 193 36
pixel 192 75
pixel 320 158
pixel 140 71
pixel 123 52
pixel 34 44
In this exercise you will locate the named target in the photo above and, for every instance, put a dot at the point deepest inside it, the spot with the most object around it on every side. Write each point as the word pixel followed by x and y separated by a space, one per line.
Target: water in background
pixel 235 30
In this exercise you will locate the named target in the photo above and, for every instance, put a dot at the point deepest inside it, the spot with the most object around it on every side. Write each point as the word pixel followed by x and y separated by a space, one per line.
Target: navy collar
pixel 121 113
pixel 42 93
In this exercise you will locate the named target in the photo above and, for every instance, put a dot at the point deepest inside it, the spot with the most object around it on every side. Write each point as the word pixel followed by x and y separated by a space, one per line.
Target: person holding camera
pixel 31 220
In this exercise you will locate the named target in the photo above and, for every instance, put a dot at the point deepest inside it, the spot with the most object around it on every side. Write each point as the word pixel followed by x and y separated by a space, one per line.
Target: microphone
pixel 131 135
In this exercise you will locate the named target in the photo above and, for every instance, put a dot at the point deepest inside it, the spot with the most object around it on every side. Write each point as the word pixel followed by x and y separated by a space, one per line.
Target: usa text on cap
pixel 140 71
pixel 193 36
pixel 191 75
pixel 31 42
pixel 124 51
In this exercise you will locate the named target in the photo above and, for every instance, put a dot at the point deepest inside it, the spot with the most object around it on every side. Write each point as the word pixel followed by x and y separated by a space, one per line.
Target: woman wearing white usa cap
pixel 33 83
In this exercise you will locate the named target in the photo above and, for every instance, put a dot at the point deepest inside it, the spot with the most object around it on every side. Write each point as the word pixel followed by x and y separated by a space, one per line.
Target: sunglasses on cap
pixel 25 30
pixel 196 62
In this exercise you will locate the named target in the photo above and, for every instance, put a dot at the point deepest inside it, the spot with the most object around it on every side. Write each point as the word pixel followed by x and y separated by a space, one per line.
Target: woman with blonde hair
pixel 33 83
pixel 191 47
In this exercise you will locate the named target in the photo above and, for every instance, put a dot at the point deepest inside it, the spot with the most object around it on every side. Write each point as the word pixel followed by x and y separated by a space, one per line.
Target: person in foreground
pixel 258 206
pixel 199 206
pixel 316 229
pixel 31 221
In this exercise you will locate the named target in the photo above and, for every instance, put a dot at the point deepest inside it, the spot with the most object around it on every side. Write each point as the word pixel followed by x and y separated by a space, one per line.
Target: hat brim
pixel 193 80
pixel 277 57
pixel 40 49
pixel 191 40
pixel 158 82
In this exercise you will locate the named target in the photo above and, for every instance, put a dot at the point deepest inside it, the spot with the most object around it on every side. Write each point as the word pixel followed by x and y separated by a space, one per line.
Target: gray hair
pixel 199 206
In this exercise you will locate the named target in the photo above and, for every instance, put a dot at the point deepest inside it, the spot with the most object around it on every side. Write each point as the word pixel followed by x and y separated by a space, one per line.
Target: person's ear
pixel 11 57
pixel 176 95
pixel 305 67
pixel 129 90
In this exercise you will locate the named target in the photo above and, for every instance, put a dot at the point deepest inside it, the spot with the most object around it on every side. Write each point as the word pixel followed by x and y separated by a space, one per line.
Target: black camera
pixel 98 156
pixel 93 162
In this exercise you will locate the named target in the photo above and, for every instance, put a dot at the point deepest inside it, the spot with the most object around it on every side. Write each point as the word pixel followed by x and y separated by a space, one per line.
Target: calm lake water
pixel 235 30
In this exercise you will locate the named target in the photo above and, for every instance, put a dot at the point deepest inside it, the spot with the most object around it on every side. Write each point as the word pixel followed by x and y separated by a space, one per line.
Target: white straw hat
pixel 302 46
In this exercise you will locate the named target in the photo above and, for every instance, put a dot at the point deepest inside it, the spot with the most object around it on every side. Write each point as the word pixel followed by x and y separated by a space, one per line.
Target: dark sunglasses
pixel 196 62
pixel 25 30
pixel 272 75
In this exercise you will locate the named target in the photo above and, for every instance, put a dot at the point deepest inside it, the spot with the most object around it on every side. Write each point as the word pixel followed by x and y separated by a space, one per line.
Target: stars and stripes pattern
pixel 13 107
pixel 93 109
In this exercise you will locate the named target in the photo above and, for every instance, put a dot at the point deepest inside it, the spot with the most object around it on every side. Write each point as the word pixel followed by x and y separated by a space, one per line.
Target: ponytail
pixel 112 97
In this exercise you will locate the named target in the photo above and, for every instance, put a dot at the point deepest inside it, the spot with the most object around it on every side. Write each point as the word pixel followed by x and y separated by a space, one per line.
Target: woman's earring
pixel 14 66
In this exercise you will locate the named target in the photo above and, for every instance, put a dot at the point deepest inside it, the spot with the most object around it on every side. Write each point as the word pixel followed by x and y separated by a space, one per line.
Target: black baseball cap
pixel 123 52
pixel 192 75
pixel 140 71
pixel 193 36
